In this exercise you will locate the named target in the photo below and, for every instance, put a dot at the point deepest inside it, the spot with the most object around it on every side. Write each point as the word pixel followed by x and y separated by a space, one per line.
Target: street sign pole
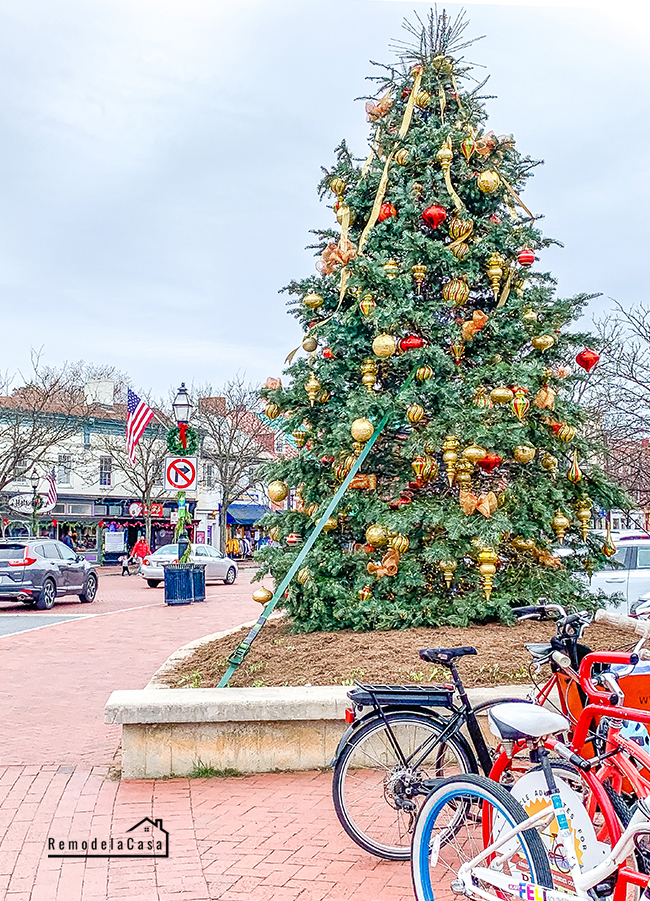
pixel 237 657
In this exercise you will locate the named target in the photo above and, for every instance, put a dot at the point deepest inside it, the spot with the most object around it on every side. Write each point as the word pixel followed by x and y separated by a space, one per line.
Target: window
pixel 20 471
pixel 208 474
pixel 618 560
pixel 65 552
pixel 80 509
pixel 200 552
pixel 86 438
pixel 51 551
pixel 643 558
pixel 105 471
pixel 63 469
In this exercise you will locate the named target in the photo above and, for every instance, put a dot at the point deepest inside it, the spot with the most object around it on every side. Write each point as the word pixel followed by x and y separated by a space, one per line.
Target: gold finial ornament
pixel 391 268
pixel 583 515
pixel 448 568
pixel 300 437
pixel 384 346
pixel 312 387
pixel 463 470
pixel 419 270
pixel 361 430
pixel 487 559
pixel 312 301
pixel 262 596
pixel 450 456
pixel 495 272
pixel 560 523
pixel 369 372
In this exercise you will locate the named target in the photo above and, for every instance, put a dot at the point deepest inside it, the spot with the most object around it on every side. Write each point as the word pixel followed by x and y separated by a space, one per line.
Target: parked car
pixel 216 565
pixel 37 571
pixel 628 571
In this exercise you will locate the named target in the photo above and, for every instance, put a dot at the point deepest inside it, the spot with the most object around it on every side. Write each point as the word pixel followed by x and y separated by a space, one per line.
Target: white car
pixel 216 565
pixel 632 574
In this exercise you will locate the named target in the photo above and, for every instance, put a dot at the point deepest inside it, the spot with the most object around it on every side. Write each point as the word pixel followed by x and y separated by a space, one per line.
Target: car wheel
pixel 153 583
pixel 89 593
pixel 231 575
pixel 47 596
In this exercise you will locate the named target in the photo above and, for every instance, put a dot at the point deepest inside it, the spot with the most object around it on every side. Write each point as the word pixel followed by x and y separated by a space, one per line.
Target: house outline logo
pixel 146 839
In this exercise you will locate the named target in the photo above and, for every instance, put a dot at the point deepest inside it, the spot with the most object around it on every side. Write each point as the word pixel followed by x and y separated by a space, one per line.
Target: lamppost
pixel 36 499
pixel 182 407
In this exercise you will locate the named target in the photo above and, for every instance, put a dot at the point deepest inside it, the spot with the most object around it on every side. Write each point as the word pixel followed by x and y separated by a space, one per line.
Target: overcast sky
pixel 159 160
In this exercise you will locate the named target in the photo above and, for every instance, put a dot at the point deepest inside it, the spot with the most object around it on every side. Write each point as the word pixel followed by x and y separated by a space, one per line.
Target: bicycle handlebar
pixel 623 622
pixel 584 673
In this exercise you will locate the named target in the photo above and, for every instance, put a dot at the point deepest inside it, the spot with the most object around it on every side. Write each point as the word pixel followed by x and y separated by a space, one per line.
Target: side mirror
pixel 81 558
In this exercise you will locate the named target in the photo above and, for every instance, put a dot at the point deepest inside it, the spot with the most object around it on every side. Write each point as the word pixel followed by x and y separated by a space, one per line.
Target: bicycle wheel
pixel 443 841
pixel 377 797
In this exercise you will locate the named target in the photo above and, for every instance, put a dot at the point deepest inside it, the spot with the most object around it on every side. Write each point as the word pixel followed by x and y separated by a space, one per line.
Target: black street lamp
pixel 182 406
pixel 36 500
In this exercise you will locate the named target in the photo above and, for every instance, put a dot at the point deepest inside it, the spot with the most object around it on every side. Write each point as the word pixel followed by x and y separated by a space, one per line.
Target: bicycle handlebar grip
pixel 620 621
pixel 527 611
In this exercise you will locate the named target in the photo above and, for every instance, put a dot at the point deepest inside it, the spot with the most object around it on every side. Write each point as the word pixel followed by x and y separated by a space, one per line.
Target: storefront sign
pixel 24 503
pixel 199 538
pixel 156 509
pixel 135 509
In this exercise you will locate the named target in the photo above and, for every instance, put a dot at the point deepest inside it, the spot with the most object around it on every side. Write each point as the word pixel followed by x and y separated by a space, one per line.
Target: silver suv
pixel 628 571
pixel 37 571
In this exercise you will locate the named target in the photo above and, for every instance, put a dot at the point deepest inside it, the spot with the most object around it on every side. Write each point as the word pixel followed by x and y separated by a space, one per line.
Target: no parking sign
pixel 180 473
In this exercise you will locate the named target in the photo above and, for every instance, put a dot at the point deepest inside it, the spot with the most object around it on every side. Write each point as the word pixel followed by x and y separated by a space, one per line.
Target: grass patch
pixel 202 770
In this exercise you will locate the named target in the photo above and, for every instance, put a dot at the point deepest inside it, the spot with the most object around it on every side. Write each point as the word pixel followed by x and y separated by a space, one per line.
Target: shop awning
pixel 246 514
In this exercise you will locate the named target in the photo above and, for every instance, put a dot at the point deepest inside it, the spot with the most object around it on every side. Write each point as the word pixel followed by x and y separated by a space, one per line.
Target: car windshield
pixel 169 550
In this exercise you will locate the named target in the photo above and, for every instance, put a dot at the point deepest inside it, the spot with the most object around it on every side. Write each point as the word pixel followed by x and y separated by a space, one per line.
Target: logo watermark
pixel 146 839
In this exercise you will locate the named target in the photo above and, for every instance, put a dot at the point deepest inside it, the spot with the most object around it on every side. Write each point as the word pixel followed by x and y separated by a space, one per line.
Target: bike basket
pixel 401 696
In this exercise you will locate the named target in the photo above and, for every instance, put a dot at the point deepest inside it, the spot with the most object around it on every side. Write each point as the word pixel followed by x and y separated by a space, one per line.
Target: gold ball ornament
pixel 262 596
pixel 488 181
pixel 549 462
pixel 424 373
pixel 523 544
pixel 501 395
pixel 313 388
pixel 542 342
pixel 330 524
pixel 402 156
pixel 384 346
pixel 524 453
pixel 566 432
pixel 365 593
pixel 422 99
pixel 376 535
pixel 271 410
pixel 323 396
pixel 560 524
pixel 445 155
pixel 530 318
pixel 474 453
pixel 312 301
pixel 391 268
pixel 278 491
pixel 311 509
pixel 338 186
pixel 362 430
pixel 415 413
pixel 274 533
pixel 443 64
pixel 309 344
pixel 304 575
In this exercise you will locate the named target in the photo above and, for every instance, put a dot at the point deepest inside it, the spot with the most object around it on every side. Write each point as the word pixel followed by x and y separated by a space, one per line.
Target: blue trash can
pixel 198 581
pixel 179 583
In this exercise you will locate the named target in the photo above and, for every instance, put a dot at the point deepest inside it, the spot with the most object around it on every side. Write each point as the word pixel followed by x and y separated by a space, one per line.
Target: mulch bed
pixel 278 657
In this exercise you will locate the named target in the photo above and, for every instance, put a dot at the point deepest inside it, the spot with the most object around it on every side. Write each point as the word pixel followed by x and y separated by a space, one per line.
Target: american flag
pixel 51 496
pixel 139 415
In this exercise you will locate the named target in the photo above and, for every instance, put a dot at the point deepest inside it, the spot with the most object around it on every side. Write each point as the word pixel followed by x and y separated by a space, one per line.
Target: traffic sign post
pixel 180 473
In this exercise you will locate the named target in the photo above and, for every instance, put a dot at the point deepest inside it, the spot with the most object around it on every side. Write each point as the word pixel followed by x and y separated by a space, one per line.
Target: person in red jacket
pixel 140 550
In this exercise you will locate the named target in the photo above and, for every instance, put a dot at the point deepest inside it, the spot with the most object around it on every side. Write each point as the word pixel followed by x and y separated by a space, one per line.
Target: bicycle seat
pixel 517 721
pixel 540 650
pixel 444 656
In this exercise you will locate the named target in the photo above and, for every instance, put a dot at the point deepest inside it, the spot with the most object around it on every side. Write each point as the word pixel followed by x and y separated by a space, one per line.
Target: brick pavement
pixel 271 836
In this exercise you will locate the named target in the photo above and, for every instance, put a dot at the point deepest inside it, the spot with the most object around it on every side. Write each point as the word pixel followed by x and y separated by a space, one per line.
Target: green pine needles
pixel 435 254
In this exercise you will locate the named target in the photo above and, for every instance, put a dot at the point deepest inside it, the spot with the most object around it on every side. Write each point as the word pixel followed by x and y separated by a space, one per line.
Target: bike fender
pixel 440 721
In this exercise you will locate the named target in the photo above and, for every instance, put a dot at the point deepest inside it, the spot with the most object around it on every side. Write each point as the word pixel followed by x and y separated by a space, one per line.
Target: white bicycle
pixel 475 838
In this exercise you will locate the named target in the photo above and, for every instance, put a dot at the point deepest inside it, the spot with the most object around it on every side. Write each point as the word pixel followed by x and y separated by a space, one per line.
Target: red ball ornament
pixel 412 342
pixel 386 211
pixel 434 215
pixel 293 539
pixel 526 257
pixel 327 353
pixel 495 219
pixel 489 462
pixel 587 359
pixel 327 461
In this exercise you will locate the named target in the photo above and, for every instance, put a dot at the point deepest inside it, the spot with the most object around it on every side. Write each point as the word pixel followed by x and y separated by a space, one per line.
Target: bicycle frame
pixel 471 871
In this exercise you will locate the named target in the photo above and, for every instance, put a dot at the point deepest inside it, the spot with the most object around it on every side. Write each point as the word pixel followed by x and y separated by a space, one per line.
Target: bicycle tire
pixel 471 791
pixel 375 798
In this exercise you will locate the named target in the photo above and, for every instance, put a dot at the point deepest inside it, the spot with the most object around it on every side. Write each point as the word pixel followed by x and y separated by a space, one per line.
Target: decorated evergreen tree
pixel 428 307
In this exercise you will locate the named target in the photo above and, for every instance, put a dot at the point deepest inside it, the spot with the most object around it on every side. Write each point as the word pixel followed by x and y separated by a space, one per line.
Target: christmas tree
pixel 429 311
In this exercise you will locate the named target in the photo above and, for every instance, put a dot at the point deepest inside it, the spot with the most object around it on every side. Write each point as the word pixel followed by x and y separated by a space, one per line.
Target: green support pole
pixel 237 657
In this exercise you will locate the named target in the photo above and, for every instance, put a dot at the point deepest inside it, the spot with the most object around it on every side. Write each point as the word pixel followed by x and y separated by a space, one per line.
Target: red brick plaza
pixel 271 836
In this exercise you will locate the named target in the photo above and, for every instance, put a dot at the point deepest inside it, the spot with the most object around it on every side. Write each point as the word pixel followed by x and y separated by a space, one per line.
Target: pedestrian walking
pixel 140 550
pixel 125 559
